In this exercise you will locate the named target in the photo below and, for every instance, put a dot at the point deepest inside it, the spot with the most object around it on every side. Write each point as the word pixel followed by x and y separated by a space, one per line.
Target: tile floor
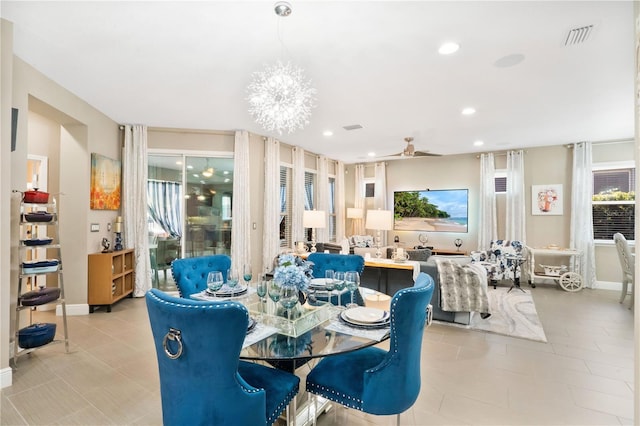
pixel 583 375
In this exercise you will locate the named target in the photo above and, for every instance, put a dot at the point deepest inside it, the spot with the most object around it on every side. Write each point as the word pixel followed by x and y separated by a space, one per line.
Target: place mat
pixel 376 334
pixel 259 332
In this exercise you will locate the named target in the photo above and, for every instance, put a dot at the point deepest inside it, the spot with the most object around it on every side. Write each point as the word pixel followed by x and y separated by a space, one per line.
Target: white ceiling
pixel 187 65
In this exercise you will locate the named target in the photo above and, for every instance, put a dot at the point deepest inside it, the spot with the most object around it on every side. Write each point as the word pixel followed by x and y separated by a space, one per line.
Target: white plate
pixel 365 315
pixel 230 291
pixel 318 282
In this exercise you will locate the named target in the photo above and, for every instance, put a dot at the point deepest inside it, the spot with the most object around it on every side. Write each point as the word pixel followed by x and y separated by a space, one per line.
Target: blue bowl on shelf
pixel 36 335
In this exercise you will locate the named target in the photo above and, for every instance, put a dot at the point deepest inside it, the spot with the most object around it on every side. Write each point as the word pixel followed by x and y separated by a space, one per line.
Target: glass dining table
pixel 269 342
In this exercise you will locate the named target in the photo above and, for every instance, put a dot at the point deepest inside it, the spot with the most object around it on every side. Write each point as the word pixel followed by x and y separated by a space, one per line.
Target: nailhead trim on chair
pixel 225 305
pixel 346 400
pixel 335 396
pixel 281 407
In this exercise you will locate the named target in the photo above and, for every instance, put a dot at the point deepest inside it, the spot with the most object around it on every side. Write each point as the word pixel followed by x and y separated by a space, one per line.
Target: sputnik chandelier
pixel 280 97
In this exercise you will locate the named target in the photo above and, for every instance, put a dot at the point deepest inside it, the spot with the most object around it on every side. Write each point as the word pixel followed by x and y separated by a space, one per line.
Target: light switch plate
pixel 95 227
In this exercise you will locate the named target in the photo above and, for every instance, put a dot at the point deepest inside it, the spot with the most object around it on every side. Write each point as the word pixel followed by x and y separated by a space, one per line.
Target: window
pixel 309 196
pixel 613 200
pixel 500 181
pixel 331 213
pixel 369 188
pixel 285 206
pixel 190 198
pixel 309 190
pixel 226 206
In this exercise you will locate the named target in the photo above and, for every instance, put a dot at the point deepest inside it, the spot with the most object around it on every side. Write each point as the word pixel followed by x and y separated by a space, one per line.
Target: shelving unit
pixel 111 277
pixel 39 242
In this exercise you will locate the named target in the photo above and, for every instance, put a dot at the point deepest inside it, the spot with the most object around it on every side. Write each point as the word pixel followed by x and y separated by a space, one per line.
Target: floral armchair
pixel 497 262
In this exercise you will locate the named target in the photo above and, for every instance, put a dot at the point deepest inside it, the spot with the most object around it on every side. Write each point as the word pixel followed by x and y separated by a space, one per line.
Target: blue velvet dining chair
pixel 374 380
pixel 337 262
pixel 190 274
pixel 202 380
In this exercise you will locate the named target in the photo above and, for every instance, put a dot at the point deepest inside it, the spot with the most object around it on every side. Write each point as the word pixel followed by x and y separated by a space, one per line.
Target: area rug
pixel 512 314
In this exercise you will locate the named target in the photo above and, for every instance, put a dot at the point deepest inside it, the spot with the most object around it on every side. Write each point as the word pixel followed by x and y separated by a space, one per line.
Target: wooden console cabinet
pixel 111 278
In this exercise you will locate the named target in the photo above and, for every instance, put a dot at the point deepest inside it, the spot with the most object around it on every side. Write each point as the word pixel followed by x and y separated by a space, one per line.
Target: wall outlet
pixel 95 227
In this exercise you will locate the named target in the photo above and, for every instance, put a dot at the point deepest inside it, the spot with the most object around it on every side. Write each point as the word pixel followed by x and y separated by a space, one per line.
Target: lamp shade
pixel 314 219
pixel 379 219
pixel 354 213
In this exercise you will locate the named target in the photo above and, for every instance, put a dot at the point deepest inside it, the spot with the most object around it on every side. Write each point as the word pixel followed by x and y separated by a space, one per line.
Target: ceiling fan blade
pixel 426 154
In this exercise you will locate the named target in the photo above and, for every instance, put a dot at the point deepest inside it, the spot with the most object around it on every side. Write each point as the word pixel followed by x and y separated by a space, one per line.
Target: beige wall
pixel 56 123
pixel 6 89
pixel 544 165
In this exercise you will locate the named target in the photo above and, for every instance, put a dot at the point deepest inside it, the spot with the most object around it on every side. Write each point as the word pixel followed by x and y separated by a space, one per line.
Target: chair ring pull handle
pixel 173 334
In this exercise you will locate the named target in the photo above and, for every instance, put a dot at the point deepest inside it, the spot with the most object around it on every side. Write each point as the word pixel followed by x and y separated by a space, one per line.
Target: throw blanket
pixel 463 288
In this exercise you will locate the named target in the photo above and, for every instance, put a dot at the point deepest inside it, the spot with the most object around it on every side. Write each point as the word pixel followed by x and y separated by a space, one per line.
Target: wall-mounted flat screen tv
pixel 441 210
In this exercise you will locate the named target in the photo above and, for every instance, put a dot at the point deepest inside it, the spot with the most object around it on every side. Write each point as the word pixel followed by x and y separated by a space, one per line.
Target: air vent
pixel 353 127
pixel 578 35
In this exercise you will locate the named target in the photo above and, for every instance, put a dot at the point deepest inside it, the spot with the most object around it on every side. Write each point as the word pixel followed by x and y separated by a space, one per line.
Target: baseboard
pixel 79 309
pixel 609 285
pixel 6 377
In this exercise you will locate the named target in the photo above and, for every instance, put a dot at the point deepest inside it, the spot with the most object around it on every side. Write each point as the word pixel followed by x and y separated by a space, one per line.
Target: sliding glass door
pixel 190 201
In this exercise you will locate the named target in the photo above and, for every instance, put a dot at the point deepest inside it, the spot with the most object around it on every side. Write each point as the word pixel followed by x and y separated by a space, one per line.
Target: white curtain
pixel 134 205
pixel 380 200
pixel 241 212
pixel 322 201
pixel 515 214
pixel 358 199
pixel 581 233
pixel 339 200
pixel 298 196
pixel 270 232
pixel 487 226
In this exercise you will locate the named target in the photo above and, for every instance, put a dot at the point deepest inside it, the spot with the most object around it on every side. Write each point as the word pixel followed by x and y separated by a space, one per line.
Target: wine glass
pixel 339 284
pixel 214 281
pixel 352 279
pixel 329 282
pixel 275 291
pixel 261 290
pixel 289 299
pixel 232 278
pixel 246 273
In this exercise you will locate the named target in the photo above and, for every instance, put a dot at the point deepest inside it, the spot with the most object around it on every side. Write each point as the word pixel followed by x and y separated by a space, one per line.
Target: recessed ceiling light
pixel 179 163
pixel 195 175
pixel 226 172
pixel 371 154
pixel 448 48
pixel 189 167
pixel 478 143
pixel 327 133
pixel 226 180
pixel 468 111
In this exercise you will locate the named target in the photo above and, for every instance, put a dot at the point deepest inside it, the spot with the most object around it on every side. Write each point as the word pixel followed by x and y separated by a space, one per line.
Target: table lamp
pixel 380 220
pixel 354 213
pixel 314 219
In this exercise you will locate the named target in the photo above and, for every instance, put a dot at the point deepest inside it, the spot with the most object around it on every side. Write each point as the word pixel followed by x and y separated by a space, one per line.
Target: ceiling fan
pixel 410 151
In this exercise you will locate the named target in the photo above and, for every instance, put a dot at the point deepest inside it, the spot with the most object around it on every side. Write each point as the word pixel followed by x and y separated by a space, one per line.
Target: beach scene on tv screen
pixel 437 210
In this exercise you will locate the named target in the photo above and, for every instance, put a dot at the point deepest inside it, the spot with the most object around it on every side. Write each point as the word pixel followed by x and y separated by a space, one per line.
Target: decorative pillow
pixel 420 255
pixel 362 240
